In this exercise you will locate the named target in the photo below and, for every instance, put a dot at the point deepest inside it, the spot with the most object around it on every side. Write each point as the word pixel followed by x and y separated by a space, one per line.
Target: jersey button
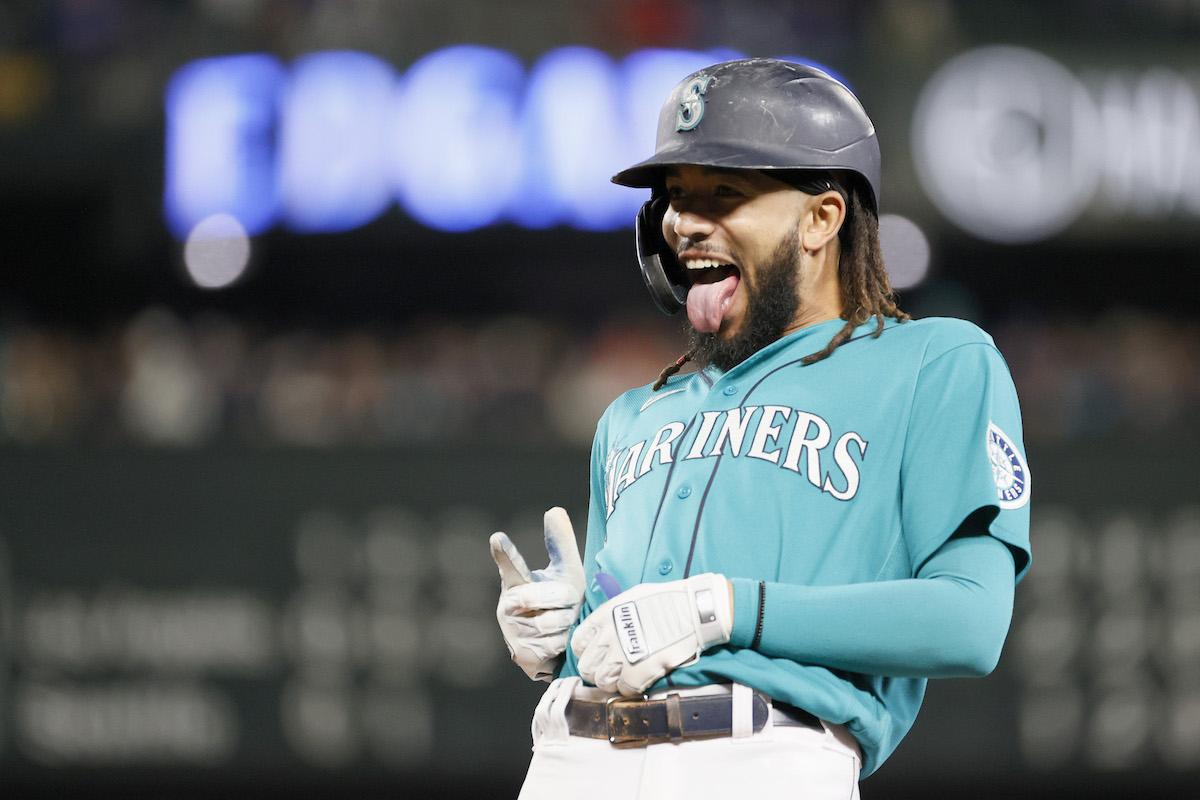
pixel 665 567
pixel 730 391
pixel 683 492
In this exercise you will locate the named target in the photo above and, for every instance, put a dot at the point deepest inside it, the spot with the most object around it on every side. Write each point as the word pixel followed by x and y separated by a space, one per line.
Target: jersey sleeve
pixel 949 621
pixel 964 452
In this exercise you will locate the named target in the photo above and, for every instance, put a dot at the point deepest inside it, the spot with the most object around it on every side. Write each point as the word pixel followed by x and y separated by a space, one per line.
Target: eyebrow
pixel 730 172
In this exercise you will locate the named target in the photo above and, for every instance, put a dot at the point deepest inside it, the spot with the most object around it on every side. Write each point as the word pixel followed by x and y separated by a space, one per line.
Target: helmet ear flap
pixel 661 270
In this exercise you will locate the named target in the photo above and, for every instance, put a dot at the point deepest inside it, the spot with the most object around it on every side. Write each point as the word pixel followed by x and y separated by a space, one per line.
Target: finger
pixel 605 663
pixel 531 597
pixel 513 571
pixel 554 621
pixel 590 661
pixel 583 637
pixel 623 687
pixel 543 623
pixel 545 647
pixel 607 676
pixel 561 545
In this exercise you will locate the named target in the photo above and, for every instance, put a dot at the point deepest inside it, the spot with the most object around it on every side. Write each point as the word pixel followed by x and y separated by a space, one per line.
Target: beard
pixel 773 300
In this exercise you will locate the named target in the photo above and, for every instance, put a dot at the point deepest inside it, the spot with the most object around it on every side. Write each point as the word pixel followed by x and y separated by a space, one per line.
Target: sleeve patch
pixel 1008 469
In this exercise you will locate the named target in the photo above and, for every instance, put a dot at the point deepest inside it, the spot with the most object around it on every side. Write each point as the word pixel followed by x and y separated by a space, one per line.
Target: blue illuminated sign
pixel 222 114
pixel 333 139
pixel 455 154
pixel 466 138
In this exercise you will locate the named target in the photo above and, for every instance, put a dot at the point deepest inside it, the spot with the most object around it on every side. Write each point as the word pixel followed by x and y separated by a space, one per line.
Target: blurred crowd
pixel 1128 372
pixel 163 380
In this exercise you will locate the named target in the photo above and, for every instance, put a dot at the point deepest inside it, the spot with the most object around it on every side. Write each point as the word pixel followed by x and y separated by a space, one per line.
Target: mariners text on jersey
pixel 795 440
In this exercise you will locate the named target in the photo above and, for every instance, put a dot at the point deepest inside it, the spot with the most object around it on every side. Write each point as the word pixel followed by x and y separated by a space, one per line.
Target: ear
pixel 825 215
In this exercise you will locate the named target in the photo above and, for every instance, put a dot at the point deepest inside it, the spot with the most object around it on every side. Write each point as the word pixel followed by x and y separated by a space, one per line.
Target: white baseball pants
pixel 795 762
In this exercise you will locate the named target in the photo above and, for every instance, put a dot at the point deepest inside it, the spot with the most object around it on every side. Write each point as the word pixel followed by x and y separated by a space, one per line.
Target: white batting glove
pixel 636 638
pixel 537 609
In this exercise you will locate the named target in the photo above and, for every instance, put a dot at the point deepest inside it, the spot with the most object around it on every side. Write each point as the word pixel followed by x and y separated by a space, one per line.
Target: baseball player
pixel 784 545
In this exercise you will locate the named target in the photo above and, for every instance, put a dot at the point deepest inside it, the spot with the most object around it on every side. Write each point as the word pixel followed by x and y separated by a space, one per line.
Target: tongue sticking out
pixel 706 303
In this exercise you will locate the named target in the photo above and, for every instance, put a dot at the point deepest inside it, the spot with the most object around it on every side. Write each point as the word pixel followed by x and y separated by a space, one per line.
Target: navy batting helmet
pixel 754 113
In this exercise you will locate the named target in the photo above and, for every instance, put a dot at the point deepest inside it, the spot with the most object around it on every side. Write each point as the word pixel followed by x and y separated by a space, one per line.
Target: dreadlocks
pixel 866 290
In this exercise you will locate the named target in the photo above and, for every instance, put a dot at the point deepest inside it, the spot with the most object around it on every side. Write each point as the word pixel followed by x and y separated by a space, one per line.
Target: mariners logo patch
pixel 1008 469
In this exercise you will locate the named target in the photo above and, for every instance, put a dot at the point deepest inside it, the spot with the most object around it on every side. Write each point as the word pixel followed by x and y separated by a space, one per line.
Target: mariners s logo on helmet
pixel 691 103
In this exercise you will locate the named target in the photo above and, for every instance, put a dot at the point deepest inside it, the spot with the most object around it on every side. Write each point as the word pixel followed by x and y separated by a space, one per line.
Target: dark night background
pixel 242 530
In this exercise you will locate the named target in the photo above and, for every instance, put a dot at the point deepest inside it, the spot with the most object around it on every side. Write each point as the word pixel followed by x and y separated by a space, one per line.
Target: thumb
pixel 562 547
pixel 513 571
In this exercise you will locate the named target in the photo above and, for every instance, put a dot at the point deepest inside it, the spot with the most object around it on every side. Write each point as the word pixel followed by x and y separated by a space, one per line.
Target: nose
pixel 686 224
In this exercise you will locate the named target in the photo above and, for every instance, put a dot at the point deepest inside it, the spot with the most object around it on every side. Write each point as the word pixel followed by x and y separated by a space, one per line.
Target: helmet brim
pixel 648 174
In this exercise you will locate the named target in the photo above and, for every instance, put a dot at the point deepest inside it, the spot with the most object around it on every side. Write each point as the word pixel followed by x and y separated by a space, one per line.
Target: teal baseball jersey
pixel 855 469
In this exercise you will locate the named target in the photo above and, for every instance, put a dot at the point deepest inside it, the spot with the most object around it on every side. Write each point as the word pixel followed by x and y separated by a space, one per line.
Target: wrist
pixel 745 611
pixel 713 607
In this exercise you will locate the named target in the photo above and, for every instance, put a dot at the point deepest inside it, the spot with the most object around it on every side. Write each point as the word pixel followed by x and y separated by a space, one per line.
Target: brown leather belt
pixel 633 722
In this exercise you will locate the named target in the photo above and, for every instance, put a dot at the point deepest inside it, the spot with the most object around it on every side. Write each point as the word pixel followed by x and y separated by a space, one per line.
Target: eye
pixel 727 190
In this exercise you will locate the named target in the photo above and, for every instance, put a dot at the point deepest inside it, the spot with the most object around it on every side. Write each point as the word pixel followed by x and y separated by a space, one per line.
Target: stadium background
pixel 242 528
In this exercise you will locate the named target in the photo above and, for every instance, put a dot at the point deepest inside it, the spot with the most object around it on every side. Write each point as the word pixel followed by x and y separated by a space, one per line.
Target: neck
pixel 819 288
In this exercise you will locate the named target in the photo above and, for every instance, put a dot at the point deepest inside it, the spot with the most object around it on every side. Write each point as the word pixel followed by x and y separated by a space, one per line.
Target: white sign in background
pixel 1013 147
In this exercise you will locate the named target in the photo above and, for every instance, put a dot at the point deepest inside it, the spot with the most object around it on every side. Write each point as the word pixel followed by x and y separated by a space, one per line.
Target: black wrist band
pixel 758 627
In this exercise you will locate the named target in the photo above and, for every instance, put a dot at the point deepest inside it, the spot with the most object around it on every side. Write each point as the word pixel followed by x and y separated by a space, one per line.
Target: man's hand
pixel 537 609
pixel 640 635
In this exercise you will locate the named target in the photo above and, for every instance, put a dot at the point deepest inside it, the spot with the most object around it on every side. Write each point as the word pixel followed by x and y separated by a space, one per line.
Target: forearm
pixel 949 621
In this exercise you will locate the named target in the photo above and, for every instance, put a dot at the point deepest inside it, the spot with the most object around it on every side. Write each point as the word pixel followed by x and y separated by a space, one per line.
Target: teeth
pixel 705 263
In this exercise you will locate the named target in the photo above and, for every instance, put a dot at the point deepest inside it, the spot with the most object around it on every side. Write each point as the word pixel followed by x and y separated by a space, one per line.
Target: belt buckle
pixel 613 739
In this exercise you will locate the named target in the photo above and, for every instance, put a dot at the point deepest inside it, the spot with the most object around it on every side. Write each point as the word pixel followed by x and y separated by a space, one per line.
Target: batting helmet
pixel 754 113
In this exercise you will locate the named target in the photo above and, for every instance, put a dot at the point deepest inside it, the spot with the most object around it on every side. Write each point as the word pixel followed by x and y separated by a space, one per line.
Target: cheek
pixel 668 228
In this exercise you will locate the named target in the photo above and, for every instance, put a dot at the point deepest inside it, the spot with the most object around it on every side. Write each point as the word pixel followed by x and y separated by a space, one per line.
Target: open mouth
pixel 714 283
pixel 709 270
